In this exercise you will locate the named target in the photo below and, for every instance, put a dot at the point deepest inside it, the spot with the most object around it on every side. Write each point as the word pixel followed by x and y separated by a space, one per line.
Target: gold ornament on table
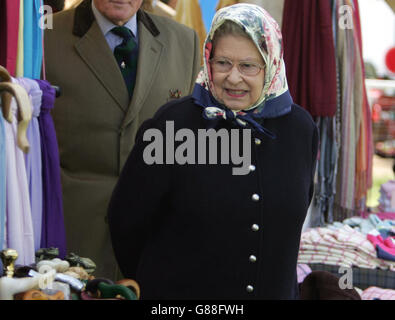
pixel 8 257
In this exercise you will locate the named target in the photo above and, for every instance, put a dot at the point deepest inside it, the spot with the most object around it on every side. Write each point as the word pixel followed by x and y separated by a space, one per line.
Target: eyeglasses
pixel 246 68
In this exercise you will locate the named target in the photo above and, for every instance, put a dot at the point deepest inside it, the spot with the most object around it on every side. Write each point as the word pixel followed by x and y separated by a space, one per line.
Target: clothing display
pixel 323 53
pixel 9 30
pixel 341 247
pixel 33 204
pixel 355 242
pixel 55 194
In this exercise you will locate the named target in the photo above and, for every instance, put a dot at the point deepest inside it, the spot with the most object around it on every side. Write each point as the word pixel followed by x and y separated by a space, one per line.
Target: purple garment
pixel 53 230
pixel 33 160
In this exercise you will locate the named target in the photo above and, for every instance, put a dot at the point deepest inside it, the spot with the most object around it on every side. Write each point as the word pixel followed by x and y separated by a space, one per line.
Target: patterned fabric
pixel 374 293
pixel 302 270
pixel 264 31
pixel 361 277
pixel 126 56
pixel 341 247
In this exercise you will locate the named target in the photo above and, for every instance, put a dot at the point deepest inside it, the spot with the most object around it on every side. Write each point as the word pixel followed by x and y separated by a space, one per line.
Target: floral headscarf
pixel 264 31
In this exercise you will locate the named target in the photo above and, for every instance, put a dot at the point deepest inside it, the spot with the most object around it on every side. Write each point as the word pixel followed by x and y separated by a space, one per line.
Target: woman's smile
pixel 236 93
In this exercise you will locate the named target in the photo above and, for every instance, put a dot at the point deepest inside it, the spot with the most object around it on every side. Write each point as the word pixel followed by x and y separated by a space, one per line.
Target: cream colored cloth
pixel 224 3
pixel 162 9
pixel 19 57
pixel 275 8
pixel 188 12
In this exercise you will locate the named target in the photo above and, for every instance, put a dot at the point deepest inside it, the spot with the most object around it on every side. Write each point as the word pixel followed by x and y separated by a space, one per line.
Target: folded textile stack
pixel 387 196
pixel 375 293
pixel 344 246
pixel 385 245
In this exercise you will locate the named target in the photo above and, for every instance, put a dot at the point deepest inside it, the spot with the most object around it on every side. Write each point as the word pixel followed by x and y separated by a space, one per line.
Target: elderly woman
pixel 197 229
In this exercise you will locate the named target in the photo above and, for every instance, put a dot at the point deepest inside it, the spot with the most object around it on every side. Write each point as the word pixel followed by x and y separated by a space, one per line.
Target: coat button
pixel 250 288
pixel 255 227
pixel 255 197
pixel 251 168
pixel 258 141
pixel 252 258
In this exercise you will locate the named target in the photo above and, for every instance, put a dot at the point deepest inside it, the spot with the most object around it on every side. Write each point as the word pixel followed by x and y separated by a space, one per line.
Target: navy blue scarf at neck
pixel 273 108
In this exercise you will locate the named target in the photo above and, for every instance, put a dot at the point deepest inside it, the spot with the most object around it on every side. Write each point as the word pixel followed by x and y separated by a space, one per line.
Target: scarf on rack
pixel 275 99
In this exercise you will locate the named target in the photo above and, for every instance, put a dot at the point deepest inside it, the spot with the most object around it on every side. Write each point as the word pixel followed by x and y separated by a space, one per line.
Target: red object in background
pixel 390 59
pixel 376 112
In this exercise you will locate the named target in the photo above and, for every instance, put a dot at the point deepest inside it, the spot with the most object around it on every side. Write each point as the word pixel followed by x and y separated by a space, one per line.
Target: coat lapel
pixel 149 60
pixel 96 53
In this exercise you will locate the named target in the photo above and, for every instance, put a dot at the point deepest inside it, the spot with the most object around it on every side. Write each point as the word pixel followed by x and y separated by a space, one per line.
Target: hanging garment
pixel 351 115
pixel 19 57
pixel 53 230
pixel 310 56
pixel 365 148
pixel 325 187
pixel 188 12
pixel 275 8
pixel 33 160
pixel 2 181
pixel 19 220
pixel 9 28
pixel 32 40
pixel 225 3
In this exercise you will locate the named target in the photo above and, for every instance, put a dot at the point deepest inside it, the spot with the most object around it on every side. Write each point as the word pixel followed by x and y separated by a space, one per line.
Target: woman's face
pixel 235 90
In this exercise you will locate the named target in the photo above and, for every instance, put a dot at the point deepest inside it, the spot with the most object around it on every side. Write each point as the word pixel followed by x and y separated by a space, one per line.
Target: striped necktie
pixel 126 56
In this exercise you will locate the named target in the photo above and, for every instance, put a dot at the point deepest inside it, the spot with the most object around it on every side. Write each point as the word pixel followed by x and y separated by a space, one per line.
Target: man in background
pixel 115 65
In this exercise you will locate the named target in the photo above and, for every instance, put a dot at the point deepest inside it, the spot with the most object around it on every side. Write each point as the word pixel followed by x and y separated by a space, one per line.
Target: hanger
pixel 6 97
pixel 24 112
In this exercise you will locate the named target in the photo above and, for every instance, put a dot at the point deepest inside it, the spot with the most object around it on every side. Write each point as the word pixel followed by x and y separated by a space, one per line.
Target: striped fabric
pixel 362 278
pixel 126 56
pixel 355 157
pixel 374 293
pixel 340 247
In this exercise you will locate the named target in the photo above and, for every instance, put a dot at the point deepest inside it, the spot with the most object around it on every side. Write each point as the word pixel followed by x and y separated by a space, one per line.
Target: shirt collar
pixel 106 25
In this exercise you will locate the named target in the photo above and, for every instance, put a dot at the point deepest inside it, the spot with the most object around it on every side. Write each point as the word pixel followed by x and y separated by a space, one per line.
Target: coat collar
pixel 84 18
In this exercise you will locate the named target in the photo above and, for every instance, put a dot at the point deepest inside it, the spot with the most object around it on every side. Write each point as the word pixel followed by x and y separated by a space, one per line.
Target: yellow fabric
pixel 225 3
pixel 19 57
pixel 188 12
pixel 391 3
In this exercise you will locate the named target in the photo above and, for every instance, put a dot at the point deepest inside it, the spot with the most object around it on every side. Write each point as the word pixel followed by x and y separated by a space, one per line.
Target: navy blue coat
pixel 197 231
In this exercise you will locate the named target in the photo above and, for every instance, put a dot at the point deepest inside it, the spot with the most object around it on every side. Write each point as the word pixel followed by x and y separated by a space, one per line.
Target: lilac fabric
pixel 19 226
pixel 33 158
pixel 2 182
pixel 53 230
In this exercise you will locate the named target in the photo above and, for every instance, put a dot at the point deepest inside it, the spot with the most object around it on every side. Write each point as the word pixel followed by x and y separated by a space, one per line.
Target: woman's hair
pixel 228 28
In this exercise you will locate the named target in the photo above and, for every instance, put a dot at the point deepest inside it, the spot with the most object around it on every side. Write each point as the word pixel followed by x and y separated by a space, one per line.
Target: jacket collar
pixel 84 18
